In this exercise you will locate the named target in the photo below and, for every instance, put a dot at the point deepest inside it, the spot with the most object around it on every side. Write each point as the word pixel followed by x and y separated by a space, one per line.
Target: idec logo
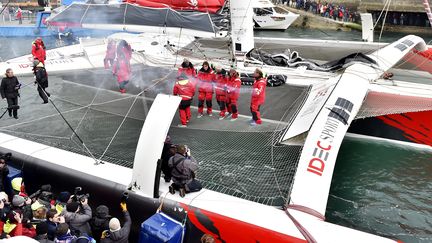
pixel 24 65
pixel 340 113
pixel 320 155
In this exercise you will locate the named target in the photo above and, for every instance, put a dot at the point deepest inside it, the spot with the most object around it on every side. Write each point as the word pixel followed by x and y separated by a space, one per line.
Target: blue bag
pixel 161 228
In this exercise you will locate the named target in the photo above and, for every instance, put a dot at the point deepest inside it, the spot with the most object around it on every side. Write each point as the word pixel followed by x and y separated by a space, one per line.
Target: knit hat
pixel 3 195
pixel 72 207
pixel 102 211
pixel 16 183
pixel 114 225
pixel 36 205
pixel 42 228
pixel 18 201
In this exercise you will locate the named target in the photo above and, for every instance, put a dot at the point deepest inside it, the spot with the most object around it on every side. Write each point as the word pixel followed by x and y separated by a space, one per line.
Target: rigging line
pixel 121 124
pixel 178 45
pixel 202 53
pixel 69 125
pixel 127 113
pixel 88 108
pixel 244 16
pixel 384 19
pixel 273 138
pixel 382 11
pixel 5 8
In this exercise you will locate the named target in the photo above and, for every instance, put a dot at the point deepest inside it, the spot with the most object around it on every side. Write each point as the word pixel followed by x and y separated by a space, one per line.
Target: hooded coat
pixel 100 222
pixel 79 221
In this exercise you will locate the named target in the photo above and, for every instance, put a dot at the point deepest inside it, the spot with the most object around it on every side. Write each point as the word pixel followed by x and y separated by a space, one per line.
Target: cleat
pixel 181 125
pixel 252 123
pixel 233 119
pixel 200 115
pixel 228 114
pixel 182 192
pixel 210 114
pixel 221 117
pixel 171 190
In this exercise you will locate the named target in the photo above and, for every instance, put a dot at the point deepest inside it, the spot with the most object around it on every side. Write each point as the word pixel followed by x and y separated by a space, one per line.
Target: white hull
pixel 275 21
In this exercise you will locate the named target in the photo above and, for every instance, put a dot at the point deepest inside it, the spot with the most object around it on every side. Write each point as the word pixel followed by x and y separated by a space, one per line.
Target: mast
pixel 242 35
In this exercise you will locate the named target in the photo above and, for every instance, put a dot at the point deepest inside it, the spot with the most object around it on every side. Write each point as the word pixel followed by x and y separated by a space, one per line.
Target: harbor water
pixel 378 187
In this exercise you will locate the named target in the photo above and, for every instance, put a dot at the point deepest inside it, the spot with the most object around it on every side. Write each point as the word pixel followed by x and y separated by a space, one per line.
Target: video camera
pixel 125 197
pixel 44 193
pixel 78 197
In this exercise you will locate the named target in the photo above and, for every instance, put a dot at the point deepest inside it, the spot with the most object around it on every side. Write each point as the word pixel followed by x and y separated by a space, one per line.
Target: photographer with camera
pixel 183 167
pixel 116 233
pixel 78 214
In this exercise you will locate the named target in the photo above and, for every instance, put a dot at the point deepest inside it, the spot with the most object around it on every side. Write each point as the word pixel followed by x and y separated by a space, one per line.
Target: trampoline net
pixel 233 157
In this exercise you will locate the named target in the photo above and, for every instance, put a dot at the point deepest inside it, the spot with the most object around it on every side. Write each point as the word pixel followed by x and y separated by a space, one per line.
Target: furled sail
pixel 211 6
pixel 132 18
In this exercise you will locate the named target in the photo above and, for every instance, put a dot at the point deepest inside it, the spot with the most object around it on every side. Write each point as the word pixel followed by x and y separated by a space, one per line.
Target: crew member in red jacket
pixel 122 70
pixel 233 93
pixel 258 96
pixel 124 48
pixel 38 50
pixel 186 90
pixel 205 82
pixel 110 54
pixel 187 68
pixel 220 89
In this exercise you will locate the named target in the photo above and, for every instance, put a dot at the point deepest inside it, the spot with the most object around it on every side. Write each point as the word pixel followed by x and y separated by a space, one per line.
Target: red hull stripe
pixel 233 230
pixel 416 126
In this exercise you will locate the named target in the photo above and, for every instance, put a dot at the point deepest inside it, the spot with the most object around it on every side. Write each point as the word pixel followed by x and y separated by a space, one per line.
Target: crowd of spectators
pixel 61 218
pixel 328 10
pixel 343 13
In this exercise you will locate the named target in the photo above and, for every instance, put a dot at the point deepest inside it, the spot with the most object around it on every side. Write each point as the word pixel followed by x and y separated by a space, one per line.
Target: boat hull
pixel 269 22
pixel 412 127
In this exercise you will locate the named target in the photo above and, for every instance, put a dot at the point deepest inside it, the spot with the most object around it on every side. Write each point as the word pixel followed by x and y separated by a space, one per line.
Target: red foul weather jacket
pixel 221 81
pixel 205 81
pixel 38 51
pixel 233 88
pixel 185 89
pixel 258 91
pixel 121 69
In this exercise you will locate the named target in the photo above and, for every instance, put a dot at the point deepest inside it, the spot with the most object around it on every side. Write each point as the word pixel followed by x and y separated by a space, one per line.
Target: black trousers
pixel 43 93
pixel 12 106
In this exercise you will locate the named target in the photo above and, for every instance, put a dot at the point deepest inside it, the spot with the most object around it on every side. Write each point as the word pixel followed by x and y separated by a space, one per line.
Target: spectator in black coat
pixel 9 89
pixel 100 221
pixel 41 80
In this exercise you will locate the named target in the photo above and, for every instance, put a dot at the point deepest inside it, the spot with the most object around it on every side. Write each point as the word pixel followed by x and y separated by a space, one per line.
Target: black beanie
pixel 42 228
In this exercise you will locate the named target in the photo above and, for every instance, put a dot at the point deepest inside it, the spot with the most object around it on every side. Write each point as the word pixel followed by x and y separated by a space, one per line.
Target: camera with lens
pixel 78 197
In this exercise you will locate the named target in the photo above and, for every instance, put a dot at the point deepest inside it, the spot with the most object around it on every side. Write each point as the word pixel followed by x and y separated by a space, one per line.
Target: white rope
pixel 385 17
pixel 88 108
pixel 127 113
